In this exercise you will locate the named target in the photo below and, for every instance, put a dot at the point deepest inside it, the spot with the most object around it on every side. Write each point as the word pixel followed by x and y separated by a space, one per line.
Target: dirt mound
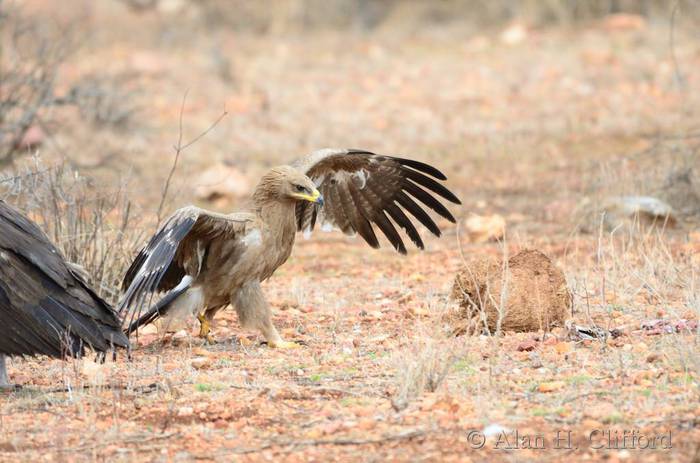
pixel 536 296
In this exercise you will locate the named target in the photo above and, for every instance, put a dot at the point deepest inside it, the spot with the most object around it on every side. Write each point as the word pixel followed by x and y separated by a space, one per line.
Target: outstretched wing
pixel 362 188
pixel 45 306
pixel 177 250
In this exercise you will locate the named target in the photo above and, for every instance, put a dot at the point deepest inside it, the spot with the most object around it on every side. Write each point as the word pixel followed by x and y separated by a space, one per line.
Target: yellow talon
pixel 205 328
pixel 284 345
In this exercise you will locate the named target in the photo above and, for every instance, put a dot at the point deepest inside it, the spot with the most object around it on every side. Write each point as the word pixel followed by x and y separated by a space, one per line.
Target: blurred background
pixel 540 112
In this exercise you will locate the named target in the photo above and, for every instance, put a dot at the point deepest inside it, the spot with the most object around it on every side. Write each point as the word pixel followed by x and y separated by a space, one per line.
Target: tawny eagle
pixel 46 307
pixel 202 261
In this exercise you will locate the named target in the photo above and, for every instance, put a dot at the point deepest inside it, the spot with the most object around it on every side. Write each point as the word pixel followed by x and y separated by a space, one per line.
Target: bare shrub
pixel 103 100
pixel 94 227
pixel 32 51
pixel 31 55
pixel 634 273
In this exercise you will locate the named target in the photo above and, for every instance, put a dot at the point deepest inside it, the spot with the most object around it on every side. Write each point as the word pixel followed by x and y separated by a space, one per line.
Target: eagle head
pixel 287 183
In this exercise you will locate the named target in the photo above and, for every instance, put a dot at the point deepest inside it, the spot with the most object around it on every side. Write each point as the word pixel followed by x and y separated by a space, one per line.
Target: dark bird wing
pixel 362 189
pixel 175 252
pixel 45 305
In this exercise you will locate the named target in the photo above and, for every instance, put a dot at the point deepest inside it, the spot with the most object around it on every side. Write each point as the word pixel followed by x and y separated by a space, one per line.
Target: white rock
pixel 494 430
pixel 185 411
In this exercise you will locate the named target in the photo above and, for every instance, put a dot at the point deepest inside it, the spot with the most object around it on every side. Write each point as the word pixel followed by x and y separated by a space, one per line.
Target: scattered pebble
pixel 200 363
pixel 527 345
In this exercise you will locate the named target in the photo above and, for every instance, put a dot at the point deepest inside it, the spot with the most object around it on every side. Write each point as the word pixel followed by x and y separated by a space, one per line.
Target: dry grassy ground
pixel 538 127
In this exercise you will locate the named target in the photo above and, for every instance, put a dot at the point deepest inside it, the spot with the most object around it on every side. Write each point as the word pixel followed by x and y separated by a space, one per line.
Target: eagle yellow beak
pixel 314 197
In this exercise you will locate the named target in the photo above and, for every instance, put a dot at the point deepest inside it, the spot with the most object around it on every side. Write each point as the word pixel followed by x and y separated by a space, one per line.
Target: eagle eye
pixel 300 188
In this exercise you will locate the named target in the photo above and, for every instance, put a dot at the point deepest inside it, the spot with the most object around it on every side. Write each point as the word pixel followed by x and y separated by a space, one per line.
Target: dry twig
pixel 179 148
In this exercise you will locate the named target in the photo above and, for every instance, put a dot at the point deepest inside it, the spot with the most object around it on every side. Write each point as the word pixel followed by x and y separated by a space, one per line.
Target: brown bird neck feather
pixel 275 209
pixel 270 187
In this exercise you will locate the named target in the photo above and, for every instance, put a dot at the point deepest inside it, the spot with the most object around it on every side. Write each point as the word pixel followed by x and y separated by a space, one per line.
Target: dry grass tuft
pixel 93 226
pixel 422 367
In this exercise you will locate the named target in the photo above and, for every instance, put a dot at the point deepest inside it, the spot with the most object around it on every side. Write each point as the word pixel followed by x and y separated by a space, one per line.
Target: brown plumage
pixel 203 261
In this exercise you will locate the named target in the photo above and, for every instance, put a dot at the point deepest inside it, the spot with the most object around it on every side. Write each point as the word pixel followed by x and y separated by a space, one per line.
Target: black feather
pixel 390 232
pixel 159 309
pixel 154 262
pixel 45 307
pixel 431 185
pixel 359 221
pixel 423 167
pixel 422 216
pixel 404 222
pixel 424 197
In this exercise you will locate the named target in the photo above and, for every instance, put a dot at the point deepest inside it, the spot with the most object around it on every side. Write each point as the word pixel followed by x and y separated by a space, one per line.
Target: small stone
pixel 221 424
pixel 179 338
pixel 494 429
pixel 481 229
pixel 366 424
pixel 185 411
pixel 221 184
pixel 527 345
pixel 32 138
pixel 200 363
pixel 535 361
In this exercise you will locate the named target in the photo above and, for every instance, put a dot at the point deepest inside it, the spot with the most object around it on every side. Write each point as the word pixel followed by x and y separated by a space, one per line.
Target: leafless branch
pixel 179 148
pixel 28 70
pixel 680 80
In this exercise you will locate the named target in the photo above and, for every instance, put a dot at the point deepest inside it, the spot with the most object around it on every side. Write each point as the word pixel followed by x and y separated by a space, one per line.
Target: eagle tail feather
pixel 161 307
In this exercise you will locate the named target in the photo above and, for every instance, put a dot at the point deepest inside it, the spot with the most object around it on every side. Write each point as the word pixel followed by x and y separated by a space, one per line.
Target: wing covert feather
pixel 362 189
pixel 177 249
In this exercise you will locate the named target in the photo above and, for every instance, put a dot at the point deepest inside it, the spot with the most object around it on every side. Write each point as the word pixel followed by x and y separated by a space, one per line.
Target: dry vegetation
pixel 537 113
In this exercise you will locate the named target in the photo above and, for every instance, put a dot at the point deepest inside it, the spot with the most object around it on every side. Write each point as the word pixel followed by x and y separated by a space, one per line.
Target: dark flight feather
pixel 45 306
pixel 362 188
pixel 159 309
pixel 178 249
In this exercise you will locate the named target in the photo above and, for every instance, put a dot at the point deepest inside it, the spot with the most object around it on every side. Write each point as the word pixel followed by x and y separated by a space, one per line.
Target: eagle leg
pixel 4 379
pixel 254 312
pixel 205 328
